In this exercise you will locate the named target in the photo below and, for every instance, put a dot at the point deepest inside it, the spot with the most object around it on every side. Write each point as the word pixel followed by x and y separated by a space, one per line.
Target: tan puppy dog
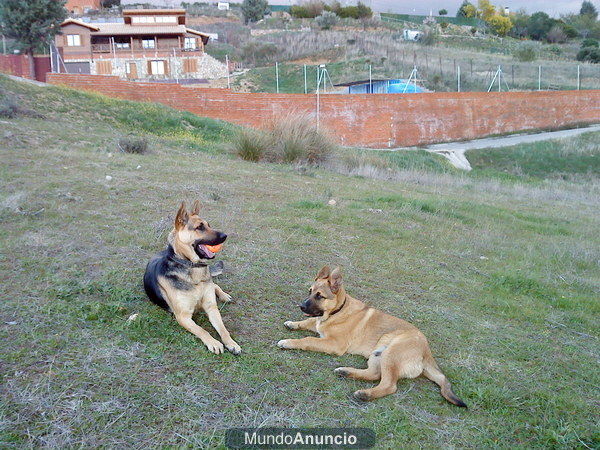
pixel 395 348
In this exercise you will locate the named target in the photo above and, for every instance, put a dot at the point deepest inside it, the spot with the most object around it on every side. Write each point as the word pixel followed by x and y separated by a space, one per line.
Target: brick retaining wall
pixel 371 120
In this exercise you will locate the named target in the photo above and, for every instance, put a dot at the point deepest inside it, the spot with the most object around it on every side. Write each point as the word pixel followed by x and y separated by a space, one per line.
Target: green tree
pixel 364 12
pixel 486 9
pixel 443 12
pixel 501 25
pixel 467 9
pixel 588 9
pixel 539 25
pixel 254 10
pixel 31 23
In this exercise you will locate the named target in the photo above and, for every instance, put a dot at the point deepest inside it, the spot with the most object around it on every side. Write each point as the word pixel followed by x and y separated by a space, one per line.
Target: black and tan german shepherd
pixel 179 279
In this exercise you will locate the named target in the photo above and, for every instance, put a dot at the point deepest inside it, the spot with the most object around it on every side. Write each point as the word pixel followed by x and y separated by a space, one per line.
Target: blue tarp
pixel 385 87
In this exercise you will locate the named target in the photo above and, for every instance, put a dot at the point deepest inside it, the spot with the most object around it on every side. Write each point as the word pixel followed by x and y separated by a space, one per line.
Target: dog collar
pixel 338 309
pixel 187 262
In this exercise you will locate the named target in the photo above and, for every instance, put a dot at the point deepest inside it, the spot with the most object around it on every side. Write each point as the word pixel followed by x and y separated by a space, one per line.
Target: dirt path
pixel 455 151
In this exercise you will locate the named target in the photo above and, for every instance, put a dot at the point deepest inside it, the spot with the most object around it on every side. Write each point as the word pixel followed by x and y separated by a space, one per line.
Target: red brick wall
pixel 371 120
pixel 19 65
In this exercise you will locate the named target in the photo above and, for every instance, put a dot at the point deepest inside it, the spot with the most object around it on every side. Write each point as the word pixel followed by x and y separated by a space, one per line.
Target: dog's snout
pixel 305 305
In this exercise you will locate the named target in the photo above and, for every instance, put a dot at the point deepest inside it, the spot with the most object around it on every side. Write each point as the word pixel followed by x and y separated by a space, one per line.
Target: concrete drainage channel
pixel 455 151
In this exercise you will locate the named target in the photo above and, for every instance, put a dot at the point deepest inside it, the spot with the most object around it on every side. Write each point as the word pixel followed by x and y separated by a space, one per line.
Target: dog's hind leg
pixel 371 373
pixel 399 360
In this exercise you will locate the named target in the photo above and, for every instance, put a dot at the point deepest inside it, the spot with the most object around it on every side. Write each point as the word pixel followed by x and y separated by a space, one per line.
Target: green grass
pixel 565 159
pixel 501 276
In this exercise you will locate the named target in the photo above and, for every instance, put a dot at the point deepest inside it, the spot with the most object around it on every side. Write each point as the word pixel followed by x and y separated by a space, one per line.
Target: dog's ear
pixel 195 208
pixel 335 280
pixel 323 273
pixel 182 217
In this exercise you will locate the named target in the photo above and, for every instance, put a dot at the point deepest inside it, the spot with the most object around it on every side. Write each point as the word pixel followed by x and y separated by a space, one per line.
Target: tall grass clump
pixel 291 139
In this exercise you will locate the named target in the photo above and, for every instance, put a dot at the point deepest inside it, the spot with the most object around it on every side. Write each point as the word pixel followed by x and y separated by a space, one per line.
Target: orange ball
pixel 215 248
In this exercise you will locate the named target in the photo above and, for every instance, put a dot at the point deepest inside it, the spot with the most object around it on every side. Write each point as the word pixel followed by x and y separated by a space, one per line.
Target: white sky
pixel 552 7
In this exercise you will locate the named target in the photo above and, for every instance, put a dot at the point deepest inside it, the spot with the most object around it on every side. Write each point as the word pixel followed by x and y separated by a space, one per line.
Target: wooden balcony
pixel 138 49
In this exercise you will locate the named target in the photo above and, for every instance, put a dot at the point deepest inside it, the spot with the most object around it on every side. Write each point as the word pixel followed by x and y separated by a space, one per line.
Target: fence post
pixel 305 86
pixel 458 78
pixel 370 81
pixel 539 78
pixel 227 64
pixel 578 77
pixel 277 76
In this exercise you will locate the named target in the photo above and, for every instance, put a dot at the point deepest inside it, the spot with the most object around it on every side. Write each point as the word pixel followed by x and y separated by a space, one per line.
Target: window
pixel 157 67
pixel 122 45
pixel 190 43
pixel 154 19
pixel 104 68
pixel 148 43
pixel 166 19
pixel 190 65
pixel 73 40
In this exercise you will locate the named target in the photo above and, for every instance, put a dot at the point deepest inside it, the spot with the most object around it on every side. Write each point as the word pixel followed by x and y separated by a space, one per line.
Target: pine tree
pixel 31 23
pixel 254 10
pixel 588 9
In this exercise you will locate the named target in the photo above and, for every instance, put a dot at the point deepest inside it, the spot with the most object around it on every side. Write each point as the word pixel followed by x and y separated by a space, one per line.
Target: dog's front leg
pixel 308 324
pixel 185 320
pixel 314 344
pixel 209 304
pixel 221 294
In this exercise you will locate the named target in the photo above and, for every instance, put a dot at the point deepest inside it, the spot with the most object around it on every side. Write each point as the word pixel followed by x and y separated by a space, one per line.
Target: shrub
pixel 308 10
pixel 249 144
pixel 556 35
pixel 589 54
pixel 132 144
pixel 444 25
pixel 287 140
pixel 429 36
pixel 589 42
pixel 525 53
pixel 8 108
pixel 258 53
pixel 327 19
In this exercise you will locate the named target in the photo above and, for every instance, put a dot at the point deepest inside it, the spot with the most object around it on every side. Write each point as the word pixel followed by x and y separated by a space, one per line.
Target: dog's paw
pixel 234 348
pixel 225 297
pixel 361 396
pixel 290 325
pixel 341 372
pixel 214 346
pixel 284 343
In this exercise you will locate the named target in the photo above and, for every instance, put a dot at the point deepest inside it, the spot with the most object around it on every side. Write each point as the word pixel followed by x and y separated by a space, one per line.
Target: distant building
pixel 412 35
pixel 149 44
pixel 82 6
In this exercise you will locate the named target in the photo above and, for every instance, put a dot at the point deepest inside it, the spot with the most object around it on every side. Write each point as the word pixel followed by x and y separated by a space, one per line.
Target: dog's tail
pixel 433 372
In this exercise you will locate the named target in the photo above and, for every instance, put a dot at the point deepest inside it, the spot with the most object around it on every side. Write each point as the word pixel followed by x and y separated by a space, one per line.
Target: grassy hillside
pixel 567 158
pixel 501 275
